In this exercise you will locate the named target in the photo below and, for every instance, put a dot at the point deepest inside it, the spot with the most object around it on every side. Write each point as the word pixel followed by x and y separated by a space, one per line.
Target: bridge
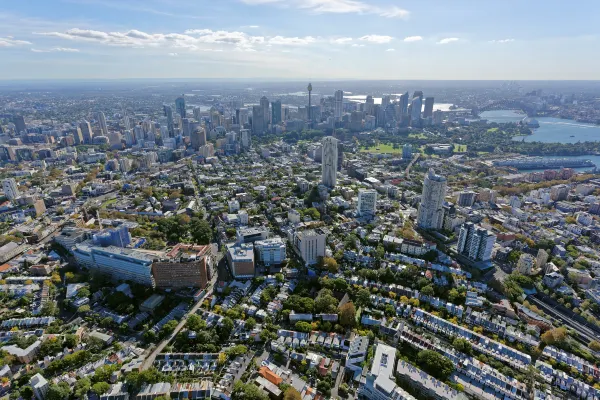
pixel 509 105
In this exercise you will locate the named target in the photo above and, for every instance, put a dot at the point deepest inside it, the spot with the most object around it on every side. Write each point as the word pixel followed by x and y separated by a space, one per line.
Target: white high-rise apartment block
pixel 526 263
pixel 329 161
pixel 102 123
pixel 338 105
pixel 271 251
pixel 367 201
pixel 9 186
pixel 431 213
pixel 466 198
pixel 309 244
pixel 245 133
pixel 475 242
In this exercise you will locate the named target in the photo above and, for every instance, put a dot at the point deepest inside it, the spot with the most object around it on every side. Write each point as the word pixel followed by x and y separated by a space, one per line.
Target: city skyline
pixel 277 39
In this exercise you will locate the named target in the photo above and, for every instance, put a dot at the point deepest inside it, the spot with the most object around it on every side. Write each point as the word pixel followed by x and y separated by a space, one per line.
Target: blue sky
pixel 300 39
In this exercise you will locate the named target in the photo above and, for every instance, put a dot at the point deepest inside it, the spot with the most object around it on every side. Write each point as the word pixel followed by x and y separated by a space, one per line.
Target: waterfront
pixel 551 130
pixel 594 158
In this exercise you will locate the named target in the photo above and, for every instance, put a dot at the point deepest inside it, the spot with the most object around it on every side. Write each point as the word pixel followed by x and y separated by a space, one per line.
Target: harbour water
pixel 551 130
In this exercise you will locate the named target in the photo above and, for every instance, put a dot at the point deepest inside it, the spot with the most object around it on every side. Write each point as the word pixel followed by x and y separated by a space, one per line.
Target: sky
pixel 300 39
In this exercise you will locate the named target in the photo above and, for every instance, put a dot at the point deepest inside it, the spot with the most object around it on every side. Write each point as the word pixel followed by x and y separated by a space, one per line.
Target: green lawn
pixel 108 202
pixel 417 135
pixel 460 148
pixel 383 148
pixel 492 130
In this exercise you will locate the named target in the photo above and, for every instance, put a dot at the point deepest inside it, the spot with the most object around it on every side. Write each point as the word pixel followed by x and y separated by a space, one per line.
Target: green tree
pixel 428 291
pixel 462 345
pixel 26 392
pixel 61 391
pixel 200 231
pixel 594 345
pixel 168 328
pixel 291 394
pixel 363 298
pixel 348 315
pixel 250 323
pixel 435 364
pixel 100 388
pixel 82 386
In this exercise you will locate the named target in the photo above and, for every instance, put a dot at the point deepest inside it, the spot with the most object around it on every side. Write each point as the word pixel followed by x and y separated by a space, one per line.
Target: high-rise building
pixel 276 112
pixel 431 213
pixel 186 265
pixel 264 103
pixel 559 192
pixel 245 134
pixel 271 251
pixel 10 188
pixel 466 198
pixel 258 120
pixel 310 245
pixel 428 111
pixel 309 116
pixel 475 242
pixel 407 151
pixel 541 259
pixel 367 201
pixel 329 161
pixel 240 257
pixel 102 123
pixel 180 106
pixel 86 132
pixel 415 114
pixel 403 105
pixel 170 125
pixel 438 117
pixel 338 105
pixel 340 156
pixel 19 122
pixel 118 237
pixel 198 138
pixel 39 385
pixel 369 105
pixel 525 264
pixel 77 135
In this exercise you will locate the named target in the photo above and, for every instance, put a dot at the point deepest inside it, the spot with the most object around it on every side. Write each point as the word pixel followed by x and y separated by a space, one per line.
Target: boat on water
pixel 543 163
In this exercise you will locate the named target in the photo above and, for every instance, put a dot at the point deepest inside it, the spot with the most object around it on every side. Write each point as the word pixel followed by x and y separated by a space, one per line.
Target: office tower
pixel 407 151
pixel 264 103
pixel 309 88
pixel 102 123
pixel 338 105
pixel 367 201
pixel 118 237
pixel 428 112
pixel 180 106
pixel 185 126
pixel 416 106
pixel 86 132
pixel 198 138
pixel 241 116
pixel 385 101
pixel 245 134
pixel 431 213
pixel 466 198
pixel 390 115
pixel 77 135
pixel 340 155
pixel 403 105
pixel 329 161
pixel 438 117
pixel 170 125
pixel 9 186
pixel 197 114
pixel 114 138
pixel 418 93
pixel 19 122
pixel 276 112
pixel 475 242
pixel 369 105
pixel 138 133
pixel 258 120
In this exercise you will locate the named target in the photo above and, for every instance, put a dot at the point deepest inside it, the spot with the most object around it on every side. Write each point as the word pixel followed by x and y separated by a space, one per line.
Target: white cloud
pixel 413 38
pixel 448 40
pixel 342 40
pixel 292 41
pixel 502 41
pixel 56 50
pixel 358 45
pixel 173 54
pixel 9 41
pixel 380 39
pixel 390 50
pixel 336 7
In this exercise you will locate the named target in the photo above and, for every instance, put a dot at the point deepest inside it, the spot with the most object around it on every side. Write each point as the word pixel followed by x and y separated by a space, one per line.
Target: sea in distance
pixel 551 130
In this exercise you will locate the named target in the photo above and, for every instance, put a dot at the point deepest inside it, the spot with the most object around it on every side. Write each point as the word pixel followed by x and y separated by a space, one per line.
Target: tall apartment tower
pixel 180 106
pixel 10 188
pixel 198 138
pixel 102 123
pixel 338 104
pixel 276 112
pixel 431 213
pixel 86 132
pixel 428 111
pixel 329 161
pixel 264 103
pixel 170 124
pixel 258 120
pixel 475 242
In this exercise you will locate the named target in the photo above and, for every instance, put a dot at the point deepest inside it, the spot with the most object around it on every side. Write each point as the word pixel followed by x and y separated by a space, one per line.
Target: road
pixel 160 347
pixel 414 160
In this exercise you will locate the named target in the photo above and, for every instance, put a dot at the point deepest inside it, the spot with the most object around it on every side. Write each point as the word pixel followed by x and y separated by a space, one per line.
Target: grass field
pixel 382 149
pixel 460 148
pixel 492 130
pixel 417 136
pixel 108 202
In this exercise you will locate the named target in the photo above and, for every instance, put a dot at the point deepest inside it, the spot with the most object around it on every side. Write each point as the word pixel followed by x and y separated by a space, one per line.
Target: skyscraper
pixel 369 105
pixel 180 106
pixel 102 123
pixel 86 132
pixel 475 242
pixel 276 112
pixel 431 213
pixel 19 122
pixel 10 188
pixel 338 105
pixel 264 103
pixel 416 106
pixel 329 161
pixel 170 125
pixel 77 135
pixel 428 111
pixel 403 105
pixel 198 138
pixel 367 201
pixel 258 118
